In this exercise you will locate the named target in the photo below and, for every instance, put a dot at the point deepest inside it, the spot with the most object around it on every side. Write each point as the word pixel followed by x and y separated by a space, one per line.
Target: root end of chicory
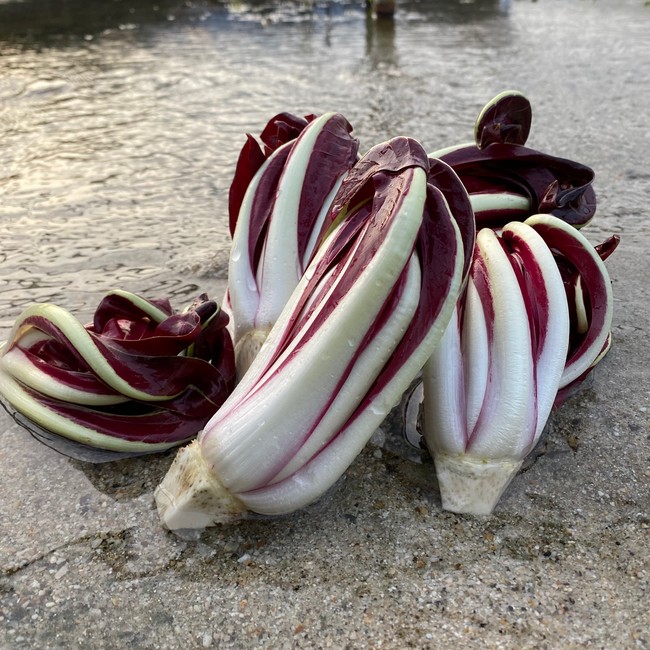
pixel 191 497
pixel 473 486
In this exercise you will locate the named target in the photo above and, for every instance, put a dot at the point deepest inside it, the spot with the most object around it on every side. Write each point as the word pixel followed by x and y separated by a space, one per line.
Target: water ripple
pixel 119 131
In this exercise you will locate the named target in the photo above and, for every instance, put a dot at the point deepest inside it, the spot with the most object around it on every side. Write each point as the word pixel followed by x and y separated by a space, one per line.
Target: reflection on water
pixel 120 122
pixel 36 21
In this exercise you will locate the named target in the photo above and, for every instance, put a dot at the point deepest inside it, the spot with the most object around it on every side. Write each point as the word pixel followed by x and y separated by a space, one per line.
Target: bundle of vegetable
pixel 139 378
pixel 362 321
pixel 534 319
pixel 508 181
pixel 279 199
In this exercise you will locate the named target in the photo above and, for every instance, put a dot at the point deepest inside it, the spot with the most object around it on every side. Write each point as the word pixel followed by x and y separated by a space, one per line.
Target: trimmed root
pixel 190 496
pixel 472 485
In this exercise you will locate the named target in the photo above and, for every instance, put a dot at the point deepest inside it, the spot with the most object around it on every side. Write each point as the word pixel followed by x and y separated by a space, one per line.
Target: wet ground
pixel 120 123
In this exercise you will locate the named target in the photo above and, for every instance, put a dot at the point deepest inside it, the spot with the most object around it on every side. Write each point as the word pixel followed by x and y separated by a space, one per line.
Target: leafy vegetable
pixel 515 341
pixel 138 378
pixel 508 181
pixel 279 199
pixel 347 279
pixel 363 319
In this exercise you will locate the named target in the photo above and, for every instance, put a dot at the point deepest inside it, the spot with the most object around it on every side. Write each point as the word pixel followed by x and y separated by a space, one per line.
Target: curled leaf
pixel 138 378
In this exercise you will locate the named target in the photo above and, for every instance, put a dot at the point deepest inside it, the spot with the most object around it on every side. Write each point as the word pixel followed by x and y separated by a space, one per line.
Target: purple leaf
pixel 505 120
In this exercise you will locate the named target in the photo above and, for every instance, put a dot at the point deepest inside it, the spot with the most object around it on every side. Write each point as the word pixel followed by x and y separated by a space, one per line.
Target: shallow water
pixel 120 123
